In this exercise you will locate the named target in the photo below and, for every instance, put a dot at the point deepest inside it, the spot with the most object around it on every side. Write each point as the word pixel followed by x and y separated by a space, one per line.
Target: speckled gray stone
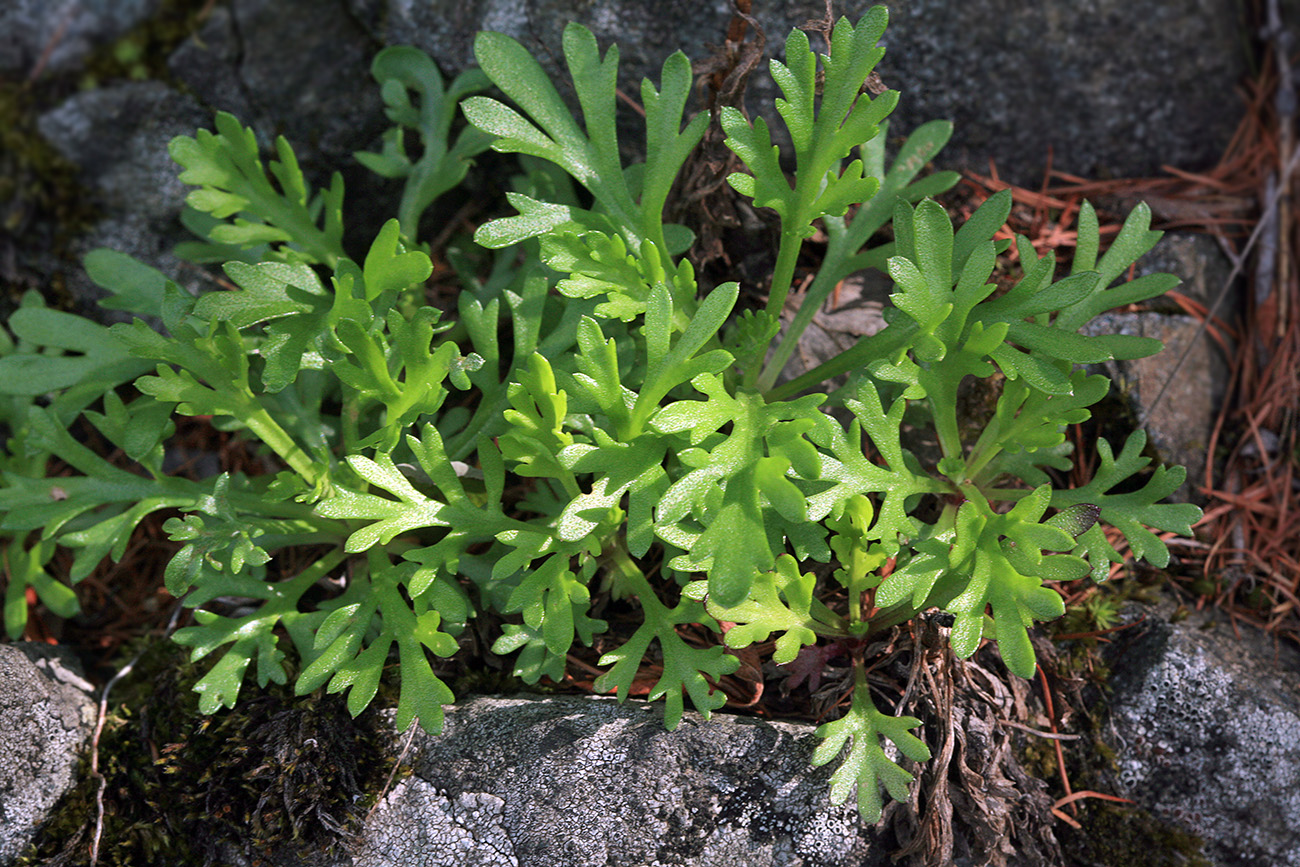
pixel 645 34
pixel 298 69
pixel 1206 728
pixel 586 782
pixel 417 821
pixel 46 717
pixel 127 163
pixel 1199 262
pixel 1113 87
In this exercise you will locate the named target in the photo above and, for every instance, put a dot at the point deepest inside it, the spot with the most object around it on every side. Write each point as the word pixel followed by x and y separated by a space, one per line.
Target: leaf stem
pixel 625 577
pixel 986 448
pixel 825 281
pixel 316 571
pixel 783 273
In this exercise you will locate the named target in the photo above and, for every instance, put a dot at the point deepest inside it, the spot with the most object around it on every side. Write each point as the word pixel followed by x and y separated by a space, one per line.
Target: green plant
pixel 634 417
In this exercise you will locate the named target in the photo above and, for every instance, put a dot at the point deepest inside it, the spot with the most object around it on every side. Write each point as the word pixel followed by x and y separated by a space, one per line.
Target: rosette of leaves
pixel 632 414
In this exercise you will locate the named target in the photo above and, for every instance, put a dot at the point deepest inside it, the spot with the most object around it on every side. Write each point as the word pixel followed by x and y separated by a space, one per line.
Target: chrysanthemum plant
pixel 591 422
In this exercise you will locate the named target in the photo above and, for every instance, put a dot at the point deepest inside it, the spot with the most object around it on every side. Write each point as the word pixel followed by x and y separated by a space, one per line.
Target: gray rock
pixel 58 34
pixel 1114 87
pixel 319 95
pixel 46 717
pixel 1110 86
pixel 1198 260
pixel 645 35
pixel 297 68
pixel 300 68
pixel 572 782
pixel 1206 726
pixel 128 171
pixel 126 163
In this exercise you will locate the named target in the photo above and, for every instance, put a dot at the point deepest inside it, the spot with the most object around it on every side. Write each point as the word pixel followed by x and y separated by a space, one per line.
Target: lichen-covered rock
pixel 1205 724
pixel 417 821
pixel 580 782
pixel 46 717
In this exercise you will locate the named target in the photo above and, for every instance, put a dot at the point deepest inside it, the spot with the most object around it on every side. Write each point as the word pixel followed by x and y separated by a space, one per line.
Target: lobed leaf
pixel 865 766
pixel 684 667
pixel 778 601
pixel 232 180
pixel 1132 512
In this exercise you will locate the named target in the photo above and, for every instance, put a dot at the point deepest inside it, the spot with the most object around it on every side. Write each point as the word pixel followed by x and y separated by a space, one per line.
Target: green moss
pixel 281 776
pixel 1114 835
pixel 1038 757
pixel 143 52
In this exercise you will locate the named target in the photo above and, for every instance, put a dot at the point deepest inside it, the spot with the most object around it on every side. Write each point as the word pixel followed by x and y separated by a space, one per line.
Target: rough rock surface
pixel 297 68
pixel 1197 259
pixel 1110 86
pixel 46 716
pixel 128 171
pixel 578 782
pixel 1206 727
pixel 58 34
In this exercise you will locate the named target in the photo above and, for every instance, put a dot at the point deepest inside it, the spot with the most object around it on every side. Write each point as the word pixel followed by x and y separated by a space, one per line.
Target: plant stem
pixel 986 448
pixel 881 345
pixel 822 285
pixel 316 571
pixel 782 277
pixel 942 396
pixel 783 273
pixel 259 421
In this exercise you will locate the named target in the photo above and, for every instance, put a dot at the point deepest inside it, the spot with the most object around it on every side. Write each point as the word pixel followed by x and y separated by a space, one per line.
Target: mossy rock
pixel 280 777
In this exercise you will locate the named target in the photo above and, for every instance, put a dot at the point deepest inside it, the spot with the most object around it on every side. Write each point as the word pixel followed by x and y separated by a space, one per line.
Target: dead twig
pixel 392 775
